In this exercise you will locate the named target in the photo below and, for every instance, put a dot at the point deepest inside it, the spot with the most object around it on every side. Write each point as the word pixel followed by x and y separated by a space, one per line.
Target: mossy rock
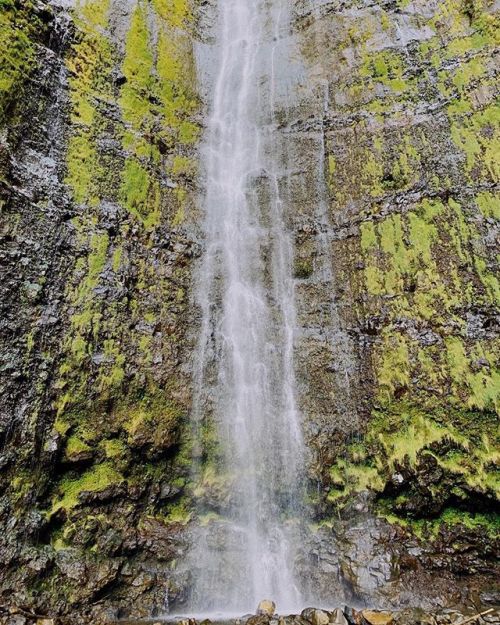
pixel 423 455
pixel 152 422
pixel 77 450
pixel 101 481
pixel 303 268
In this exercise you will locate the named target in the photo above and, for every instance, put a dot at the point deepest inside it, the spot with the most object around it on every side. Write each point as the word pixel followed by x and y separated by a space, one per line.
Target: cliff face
pixel 405 103
pixel 99 110
pixel 392 167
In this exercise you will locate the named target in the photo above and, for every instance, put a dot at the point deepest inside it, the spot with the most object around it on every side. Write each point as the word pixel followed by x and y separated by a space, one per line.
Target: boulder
pixel 337 617
pixel 315 616
pixel 266 607
pixel 377 618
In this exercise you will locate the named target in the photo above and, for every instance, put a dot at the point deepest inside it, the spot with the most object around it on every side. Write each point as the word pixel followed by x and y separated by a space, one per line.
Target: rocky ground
pixel 309 616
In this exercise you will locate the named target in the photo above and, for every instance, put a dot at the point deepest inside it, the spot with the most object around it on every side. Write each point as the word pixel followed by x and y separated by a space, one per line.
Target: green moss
pixel 176 78
pixel 429 529
pixel 402 251
pixel 404 446
pixel 97 259
pixel 373 173
pixel 20 28
pixel 114 448
pixel 89 64
pixel 476 470
pixel 374 281
pixel 303 268
pixel 84 323
pixel 402 434
pixel 154 420
pixel 422 234
pixel 123 161
pixel 157 104
pixel 183 166
pixel 96 479
pixel 21 486
pixel 489 522
pixel 75 446
pixel 478 136
pixel 117 259
pixel 489 204
pixel 385 67
pixel 82 163
pixel 352 478
pixel 112 377
pixel 176 12
pixel 86 318
pixel 467 72
pixel 179 512
pixel 385 21
pixel 426 263
pixel 457 360
pixel 368 236
pixel 482 387
pixel 212 480
pixel 141 193
pixel 208 518
pixel 393 370
pixel 138 70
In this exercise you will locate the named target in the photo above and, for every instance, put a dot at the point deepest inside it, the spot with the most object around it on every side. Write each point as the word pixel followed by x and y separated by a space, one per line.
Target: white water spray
pixel 244 378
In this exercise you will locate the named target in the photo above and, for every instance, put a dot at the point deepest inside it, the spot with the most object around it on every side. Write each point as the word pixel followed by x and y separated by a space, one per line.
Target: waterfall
pixel 244 372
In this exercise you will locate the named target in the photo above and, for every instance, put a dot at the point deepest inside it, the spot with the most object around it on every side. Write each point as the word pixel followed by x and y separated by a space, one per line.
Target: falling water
pixel 244 377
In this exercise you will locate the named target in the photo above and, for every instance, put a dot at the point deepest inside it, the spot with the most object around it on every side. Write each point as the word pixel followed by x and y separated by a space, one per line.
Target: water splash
pixel 244 377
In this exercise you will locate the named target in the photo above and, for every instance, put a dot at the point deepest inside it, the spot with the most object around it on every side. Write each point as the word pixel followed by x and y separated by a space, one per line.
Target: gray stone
pixel 337 617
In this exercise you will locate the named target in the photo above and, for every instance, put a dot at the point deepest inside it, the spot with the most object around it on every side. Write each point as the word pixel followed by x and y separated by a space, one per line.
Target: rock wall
pixel 101 118
pixel 403 106
pixel 391 133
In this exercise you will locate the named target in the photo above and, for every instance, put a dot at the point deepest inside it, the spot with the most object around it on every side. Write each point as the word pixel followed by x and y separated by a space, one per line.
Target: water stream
pixel 244 365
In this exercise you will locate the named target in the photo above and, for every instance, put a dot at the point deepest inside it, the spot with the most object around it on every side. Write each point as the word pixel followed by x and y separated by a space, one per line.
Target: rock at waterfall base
pixel 337 617
pixel 377 618
pixel 266 607
pixel 315 616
